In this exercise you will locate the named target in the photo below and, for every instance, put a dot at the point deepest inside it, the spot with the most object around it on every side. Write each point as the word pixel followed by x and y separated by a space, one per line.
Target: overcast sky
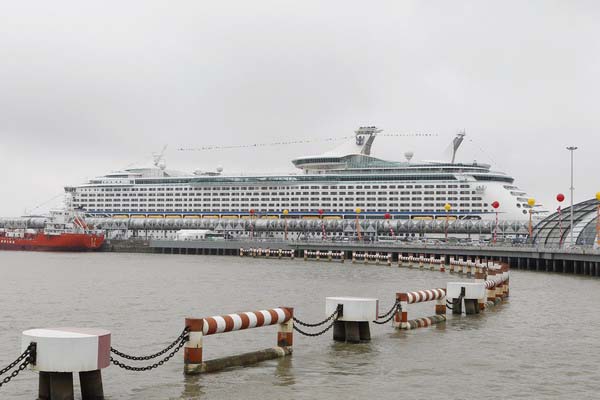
pixel 89 88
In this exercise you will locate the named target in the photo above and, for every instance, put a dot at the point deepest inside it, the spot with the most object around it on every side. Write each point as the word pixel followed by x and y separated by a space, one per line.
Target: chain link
pixel 390 314
pixel 151 356
pixel 182 341
pixel 300 331
pixel 296 320
pixel 28 356
pixel 394 306
pixel 451 303
pixel 17 361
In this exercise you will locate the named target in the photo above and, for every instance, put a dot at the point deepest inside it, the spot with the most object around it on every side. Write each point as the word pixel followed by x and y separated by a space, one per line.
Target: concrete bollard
pixel 57 360
pixel 353 324
pixel 443 263
pixel 471 292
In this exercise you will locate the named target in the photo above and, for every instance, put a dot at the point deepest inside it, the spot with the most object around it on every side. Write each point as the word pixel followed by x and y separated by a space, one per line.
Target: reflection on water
pixel 192 387
pixel 539 344
pixel 284 372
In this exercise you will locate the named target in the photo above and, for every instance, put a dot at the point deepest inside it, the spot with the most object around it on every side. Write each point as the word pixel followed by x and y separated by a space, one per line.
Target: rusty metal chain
pixel 29 357
pixel 151 356
pixel 315 334
pixel 17 361
pixel 296 320
pixel 451 303
pixel 397 307
pixel 160 363
pixel 394 307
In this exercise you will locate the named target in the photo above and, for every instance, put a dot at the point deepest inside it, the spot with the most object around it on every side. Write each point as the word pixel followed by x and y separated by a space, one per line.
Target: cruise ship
pixel 342 183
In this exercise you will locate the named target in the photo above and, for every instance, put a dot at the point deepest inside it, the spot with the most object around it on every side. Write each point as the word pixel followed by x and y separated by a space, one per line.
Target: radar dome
pixel 219 169
pixel 409 155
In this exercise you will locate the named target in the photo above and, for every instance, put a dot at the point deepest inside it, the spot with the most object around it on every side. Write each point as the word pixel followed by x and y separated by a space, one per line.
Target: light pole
pixel 358 210
pixel 447 207
pixel 251 224
pixel 560 198
pixel 285 214
pixel 323 232
pixel 598 220
pixel 388 216
pixel 495 205
pixel 531 203
pixel 572 150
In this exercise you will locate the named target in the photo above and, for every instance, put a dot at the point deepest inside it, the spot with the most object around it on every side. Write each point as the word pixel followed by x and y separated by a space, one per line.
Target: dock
pixel 578 261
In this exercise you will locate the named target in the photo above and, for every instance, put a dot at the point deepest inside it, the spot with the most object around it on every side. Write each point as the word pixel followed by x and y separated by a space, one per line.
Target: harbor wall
pixel 568 261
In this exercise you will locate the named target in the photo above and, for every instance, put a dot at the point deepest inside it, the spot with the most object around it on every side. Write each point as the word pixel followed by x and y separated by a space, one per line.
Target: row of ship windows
pixel 392 205
pixel 287 199
pixel 271 194
pixel 151 189
pixel 264 209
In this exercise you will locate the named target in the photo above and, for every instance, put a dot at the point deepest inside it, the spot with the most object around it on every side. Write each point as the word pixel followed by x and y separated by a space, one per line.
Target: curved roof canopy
pixel 548 231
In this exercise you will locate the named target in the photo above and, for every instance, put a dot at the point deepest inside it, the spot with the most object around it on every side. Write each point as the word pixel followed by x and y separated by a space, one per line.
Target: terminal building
pixel 555 231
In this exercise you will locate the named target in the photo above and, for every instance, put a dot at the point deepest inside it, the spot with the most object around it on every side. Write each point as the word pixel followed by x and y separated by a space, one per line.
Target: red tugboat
pixel 63 231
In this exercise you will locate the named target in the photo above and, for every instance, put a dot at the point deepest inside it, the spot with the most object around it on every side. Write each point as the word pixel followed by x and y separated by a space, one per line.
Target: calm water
pixel 542 343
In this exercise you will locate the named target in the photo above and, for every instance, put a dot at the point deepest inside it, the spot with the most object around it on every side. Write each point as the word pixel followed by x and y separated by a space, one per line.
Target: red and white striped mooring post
pixel 200 327
pixel 62 351
pixel 401 318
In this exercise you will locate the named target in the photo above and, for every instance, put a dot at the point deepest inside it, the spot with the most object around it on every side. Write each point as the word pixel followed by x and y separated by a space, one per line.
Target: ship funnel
pixel 159 160
pixel 456 143
pixel 365 135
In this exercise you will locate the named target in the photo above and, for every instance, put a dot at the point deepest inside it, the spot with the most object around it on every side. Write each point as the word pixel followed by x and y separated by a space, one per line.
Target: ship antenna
pixel 456 143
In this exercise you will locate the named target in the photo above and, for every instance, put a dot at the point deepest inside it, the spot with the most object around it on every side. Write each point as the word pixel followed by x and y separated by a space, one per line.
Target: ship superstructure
pixel 336 184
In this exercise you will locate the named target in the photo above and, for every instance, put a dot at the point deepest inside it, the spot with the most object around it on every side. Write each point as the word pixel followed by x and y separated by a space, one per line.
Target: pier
pixel 578 261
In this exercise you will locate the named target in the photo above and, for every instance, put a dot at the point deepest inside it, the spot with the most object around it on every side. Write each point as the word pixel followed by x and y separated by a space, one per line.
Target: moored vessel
pixel 334 184
pixel 63 231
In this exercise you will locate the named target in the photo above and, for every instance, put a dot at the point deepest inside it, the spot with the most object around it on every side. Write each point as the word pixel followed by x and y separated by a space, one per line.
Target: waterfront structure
pixel 585 219
pixel 336 183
